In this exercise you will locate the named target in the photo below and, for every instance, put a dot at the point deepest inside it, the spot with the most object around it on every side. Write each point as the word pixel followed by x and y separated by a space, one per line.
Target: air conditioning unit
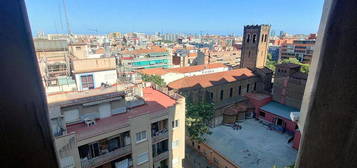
pixel 295 116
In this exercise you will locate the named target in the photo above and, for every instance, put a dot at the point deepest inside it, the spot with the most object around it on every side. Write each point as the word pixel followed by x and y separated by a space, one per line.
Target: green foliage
pixel 270 63
pixel 154 78
pixel 198 117
pixel 304 67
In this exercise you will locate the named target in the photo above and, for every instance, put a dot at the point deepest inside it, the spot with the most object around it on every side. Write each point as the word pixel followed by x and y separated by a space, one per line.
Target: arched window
pixel 254 38
pixel 248 38
pixel 262 38
pixel 265 38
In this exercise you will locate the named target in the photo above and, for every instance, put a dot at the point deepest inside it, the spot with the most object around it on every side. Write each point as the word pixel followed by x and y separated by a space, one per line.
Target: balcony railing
pixel 102 159
pixel 162 156
pixel 159 136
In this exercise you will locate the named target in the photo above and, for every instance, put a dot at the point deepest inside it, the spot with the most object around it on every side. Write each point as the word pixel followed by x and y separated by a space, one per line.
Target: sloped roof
pixel 279 109
pixel 162 71
pixel 212 79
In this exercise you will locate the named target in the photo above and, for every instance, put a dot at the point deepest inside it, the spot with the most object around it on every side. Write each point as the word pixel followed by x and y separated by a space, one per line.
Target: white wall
pixel 99 77
pixel 63 88
pixel 207 71
pixel 170 77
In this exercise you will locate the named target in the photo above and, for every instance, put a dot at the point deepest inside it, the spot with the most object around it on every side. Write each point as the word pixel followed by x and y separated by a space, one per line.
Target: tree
pixel 270 63
pixel 154 78
pixel 304 67
pixel 198 117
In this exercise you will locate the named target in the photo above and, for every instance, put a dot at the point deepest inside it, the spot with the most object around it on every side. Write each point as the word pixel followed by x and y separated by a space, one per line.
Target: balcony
pixel 160 135
pixel 159 131
pixel 162 156
pixel 105 158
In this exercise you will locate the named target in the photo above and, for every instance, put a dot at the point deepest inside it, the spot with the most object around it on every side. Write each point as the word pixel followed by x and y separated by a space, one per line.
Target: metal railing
pixel 162 156
pixel 102 159
pixel 160 136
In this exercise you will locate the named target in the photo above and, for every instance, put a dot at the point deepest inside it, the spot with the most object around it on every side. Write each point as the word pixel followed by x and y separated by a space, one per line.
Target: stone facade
pixel 289 85
pixel 255 46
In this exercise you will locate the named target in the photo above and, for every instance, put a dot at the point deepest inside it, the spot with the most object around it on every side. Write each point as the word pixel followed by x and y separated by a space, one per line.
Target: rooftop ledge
pixel 156 104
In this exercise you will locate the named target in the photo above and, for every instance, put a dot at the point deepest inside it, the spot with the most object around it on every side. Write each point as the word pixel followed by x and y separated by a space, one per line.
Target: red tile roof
pixel 156 103
pixel 207 80
pixel 162 71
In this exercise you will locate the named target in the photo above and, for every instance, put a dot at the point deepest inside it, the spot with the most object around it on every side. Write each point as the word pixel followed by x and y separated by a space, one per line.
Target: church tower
pixel 255 46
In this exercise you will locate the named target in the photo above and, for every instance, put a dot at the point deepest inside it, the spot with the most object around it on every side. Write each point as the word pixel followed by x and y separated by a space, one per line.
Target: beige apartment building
pixel 95 72
pixel 119 127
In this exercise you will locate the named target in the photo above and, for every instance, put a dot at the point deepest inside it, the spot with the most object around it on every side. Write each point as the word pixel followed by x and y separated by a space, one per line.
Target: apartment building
pixel 94 73
pixel 299 49
pixel 119 127
pixel 152 57
pixel 231 57
pixel 54 64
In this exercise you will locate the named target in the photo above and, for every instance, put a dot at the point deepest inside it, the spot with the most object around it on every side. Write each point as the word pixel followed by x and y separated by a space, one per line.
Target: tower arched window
pixel 248 38
pixel 265 38
pixel 254 38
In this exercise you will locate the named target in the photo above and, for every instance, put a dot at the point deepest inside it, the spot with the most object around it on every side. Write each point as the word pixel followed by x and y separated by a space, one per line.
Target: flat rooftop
pixel 156 103
pixel 254 146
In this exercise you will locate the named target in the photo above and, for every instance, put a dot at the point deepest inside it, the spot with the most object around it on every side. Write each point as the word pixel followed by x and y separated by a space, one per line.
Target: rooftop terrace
pixel 254 146
pixel 156 104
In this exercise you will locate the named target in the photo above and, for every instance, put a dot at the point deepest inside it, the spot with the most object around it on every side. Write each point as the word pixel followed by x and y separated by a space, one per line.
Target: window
pixel 279 122
pixel 262 38
pixel 221 97
pixel 248 53
pixel 87 82
pixel 262 114
pixel 255 86
pixel 231 92
pixel 142 158
pixel 71 115
pixel 239 90
pixel 248 88
pixel 175 143
pixel 265 38
pixel 175 123
pixel 78 48
pixel 254 38
pixel 140 136
pixel 211 95
pixel 248 38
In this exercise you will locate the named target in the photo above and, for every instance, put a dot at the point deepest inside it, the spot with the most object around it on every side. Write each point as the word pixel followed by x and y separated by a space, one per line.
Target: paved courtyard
pixel 253 146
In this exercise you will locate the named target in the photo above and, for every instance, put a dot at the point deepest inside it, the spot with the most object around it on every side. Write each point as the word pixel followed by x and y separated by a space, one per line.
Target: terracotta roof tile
pixel 162 71
pixel 210 79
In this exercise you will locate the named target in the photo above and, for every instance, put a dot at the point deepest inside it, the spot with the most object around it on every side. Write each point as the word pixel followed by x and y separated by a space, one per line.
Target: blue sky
pixel 174 16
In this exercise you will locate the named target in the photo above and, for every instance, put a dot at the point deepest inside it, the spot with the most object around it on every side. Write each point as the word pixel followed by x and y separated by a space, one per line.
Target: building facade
pixel 154 57
pixel 289 85
pixel 299 49
pixel 172 74
pixel 94 73
pixel 114 128
pixel 255 46
pixel 223 88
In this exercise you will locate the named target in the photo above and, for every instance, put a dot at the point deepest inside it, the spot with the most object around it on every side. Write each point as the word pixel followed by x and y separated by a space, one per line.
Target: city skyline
pixel 175 17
